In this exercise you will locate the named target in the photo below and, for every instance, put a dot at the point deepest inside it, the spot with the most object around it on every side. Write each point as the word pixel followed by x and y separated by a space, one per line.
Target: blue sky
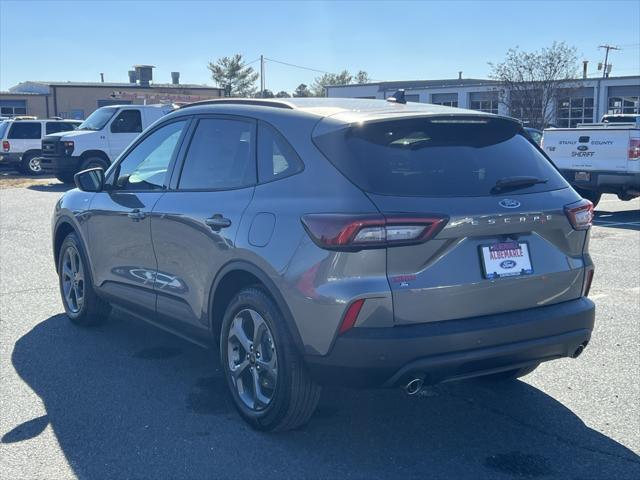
pixel 390 40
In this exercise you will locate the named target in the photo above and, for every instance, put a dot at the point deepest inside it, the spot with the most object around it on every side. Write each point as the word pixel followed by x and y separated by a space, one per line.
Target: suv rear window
pixel 437 156
pixel 25 131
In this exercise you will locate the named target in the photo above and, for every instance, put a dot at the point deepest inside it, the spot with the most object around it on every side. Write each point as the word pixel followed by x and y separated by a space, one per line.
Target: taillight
pixel 6 146
pixel 588 278
pixel 634 149
pixel 580 214
pixel 351 315
pixel 356 232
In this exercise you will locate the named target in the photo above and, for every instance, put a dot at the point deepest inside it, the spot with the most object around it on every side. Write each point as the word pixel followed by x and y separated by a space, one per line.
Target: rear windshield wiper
pixel 514 183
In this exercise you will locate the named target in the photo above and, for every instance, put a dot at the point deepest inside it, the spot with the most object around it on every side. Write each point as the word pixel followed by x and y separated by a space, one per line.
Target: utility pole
pixel 261 76
pixel 605 67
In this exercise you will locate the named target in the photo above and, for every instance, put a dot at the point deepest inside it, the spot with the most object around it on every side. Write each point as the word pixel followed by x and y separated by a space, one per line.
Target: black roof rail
pixel 241 101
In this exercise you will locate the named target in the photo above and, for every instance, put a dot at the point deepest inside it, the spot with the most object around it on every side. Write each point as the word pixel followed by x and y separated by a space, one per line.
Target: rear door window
pixel 25 131
pixel 220 156
pixel 437 156
pixel 276 158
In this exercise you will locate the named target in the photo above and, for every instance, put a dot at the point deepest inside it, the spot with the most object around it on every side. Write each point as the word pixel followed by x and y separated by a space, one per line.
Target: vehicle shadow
pixel 625 219
pixel 55 186
pixel 126 400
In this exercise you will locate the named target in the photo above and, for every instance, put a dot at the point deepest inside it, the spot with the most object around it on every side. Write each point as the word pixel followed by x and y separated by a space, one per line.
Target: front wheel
pixel 269 384
pixel 82 305
pixel 94 162
pixel 65 177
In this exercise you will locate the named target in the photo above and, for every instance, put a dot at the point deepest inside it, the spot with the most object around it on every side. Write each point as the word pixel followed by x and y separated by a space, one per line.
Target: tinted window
pixel 3 128
pixel 276 158
pixel 145 167
pixel 127 121
pixel 25 130
pixel 437 157
pixel 55 127
pixel 220 156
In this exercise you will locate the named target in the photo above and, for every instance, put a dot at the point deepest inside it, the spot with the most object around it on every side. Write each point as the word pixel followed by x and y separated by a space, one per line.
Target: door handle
pixel 218 222
pixel 136 215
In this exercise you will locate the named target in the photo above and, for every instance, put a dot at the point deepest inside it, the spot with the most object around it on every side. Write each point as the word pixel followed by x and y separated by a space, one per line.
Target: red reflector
pixel 634 149
pixel 351 316
pixel 588 278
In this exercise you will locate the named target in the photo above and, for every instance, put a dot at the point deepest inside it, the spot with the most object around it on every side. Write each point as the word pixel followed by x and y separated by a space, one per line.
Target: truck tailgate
pixel 605 149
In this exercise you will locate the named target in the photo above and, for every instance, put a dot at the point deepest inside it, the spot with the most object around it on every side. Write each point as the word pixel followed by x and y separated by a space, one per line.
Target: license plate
pixel 582 176
pixel 506 259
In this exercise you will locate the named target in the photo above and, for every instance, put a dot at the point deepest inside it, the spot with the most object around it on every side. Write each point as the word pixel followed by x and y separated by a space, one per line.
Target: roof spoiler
pixel 397 97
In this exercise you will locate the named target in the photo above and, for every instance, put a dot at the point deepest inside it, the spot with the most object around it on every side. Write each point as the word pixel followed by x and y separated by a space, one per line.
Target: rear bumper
pixel 604 181
pixel 60 163
pixel 10 158
pixel 455 349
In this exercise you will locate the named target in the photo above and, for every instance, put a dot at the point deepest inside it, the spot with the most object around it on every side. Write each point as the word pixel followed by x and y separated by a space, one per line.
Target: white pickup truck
pixel 598 158
pixel 98 140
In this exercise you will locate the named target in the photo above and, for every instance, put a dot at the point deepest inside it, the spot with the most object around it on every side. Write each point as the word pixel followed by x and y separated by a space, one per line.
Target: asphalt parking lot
pixel 125 400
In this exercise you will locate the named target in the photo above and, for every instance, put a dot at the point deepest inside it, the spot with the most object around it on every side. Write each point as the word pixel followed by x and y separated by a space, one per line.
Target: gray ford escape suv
pixel 358 242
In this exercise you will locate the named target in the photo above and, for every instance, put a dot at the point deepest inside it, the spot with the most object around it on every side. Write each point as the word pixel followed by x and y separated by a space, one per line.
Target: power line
pixel 298 66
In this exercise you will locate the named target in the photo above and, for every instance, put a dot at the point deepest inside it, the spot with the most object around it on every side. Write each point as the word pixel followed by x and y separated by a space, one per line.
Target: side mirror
pixel 90 180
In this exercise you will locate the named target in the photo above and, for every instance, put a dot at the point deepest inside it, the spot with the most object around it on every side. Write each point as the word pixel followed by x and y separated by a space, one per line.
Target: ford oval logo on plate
pixel 509 203
pixel 583 148
pixel 507 264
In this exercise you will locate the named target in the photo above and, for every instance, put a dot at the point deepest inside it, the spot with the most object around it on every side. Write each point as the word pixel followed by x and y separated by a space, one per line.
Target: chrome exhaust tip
pixel 414 386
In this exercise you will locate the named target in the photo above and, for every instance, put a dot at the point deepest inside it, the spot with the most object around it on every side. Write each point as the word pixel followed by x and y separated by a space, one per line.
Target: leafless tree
pixel 532 82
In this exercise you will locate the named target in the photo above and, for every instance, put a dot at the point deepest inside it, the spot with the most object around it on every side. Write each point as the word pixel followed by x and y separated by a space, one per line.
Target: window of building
pixel 489 106
pixel 127 121
pixel 220 156
pixel 412 98
pixel 571 111
pixel 12 111
pixel 145 167
pixel 621 105
pixel 276 158
pixel 25 130
pixel 446 99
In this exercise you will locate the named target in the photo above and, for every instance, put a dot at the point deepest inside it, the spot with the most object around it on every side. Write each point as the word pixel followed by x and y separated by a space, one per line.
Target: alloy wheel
pixel 252 359
pixel 34 165
pixel 73 285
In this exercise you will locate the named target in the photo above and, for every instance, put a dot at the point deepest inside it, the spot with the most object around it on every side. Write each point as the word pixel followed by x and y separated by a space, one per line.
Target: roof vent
pixel 144 74
pixel 397 97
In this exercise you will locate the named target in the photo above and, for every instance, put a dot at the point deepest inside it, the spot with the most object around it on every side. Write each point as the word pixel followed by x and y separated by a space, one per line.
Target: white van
pixel 599 158
pixel 98 140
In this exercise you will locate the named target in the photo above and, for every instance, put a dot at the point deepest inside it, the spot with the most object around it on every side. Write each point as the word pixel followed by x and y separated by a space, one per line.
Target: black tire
pixel 296 395
pixel 93 310
pixel 94 162
pixel 29 164
pixel 593 197
pixel 65 177
pixel 510 374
